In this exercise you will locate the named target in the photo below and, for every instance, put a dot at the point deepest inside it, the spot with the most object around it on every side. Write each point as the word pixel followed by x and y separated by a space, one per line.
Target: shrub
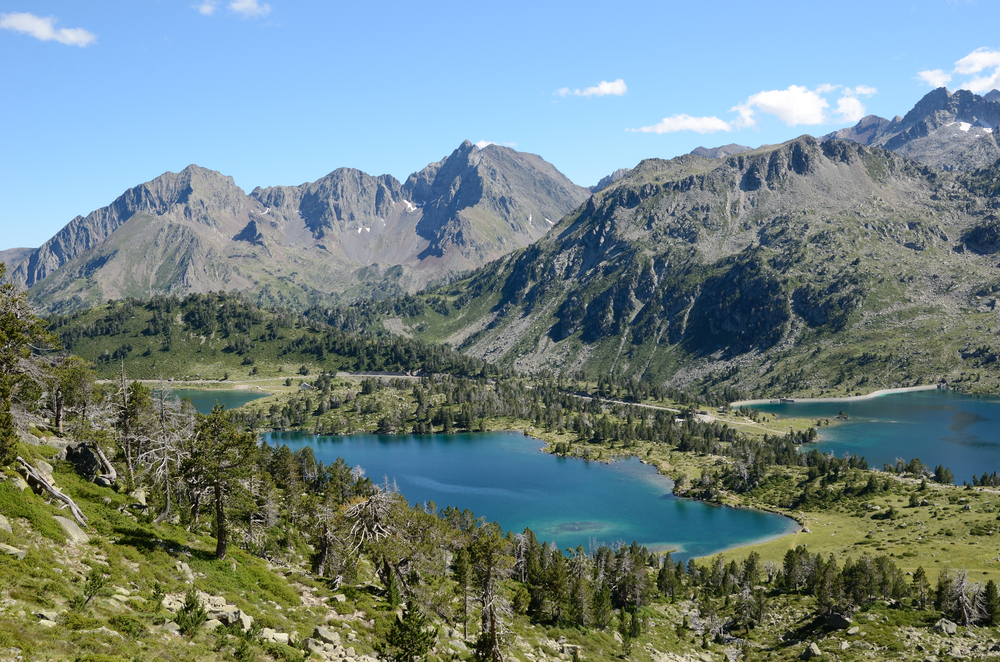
pixel 15 503
pixel 128 625
pixel 192 615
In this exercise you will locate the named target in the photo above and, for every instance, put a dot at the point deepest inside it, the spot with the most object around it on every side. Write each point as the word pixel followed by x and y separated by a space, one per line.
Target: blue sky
pixel 98 97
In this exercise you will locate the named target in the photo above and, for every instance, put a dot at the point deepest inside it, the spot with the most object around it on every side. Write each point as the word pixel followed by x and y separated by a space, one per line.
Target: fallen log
pixel 110 474
pixel 33 475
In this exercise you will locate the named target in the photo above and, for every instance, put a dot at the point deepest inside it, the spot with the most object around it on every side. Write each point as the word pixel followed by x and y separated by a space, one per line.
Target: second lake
pixel 943 427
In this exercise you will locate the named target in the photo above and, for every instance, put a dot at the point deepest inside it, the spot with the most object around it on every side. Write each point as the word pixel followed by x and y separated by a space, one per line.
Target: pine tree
pixel 410 638
pixel 991 603
pixel 220 456
pixel 921 586
pixel 20 331
pixel 463 574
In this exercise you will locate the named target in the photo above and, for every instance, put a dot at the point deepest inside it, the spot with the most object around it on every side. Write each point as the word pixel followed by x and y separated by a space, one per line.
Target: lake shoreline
pixel 799 525
pixel 853 398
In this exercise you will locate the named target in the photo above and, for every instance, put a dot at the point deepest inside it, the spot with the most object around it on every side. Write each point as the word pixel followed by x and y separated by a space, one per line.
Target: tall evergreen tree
pixel 21 332
pixel 220 455
pixel 410 638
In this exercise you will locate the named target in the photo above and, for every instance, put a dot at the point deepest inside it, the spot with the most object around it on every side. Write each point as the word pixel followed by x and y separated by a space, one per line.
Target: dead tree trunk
pixel 36 477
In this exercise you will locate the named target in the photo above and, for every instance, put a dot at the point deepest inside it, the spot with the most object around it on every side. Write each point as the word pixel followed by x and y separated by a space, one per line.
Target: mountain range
pixel 802 267
pixel 348 233
pixel 818 264
pixel 950 131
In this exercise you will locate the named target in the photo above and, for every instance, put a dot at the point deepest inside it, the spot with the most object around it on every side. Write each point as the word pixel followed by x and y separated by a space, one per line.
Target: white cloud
pixel 687 123
pixel 976 62
pixel 850 109
pixel 860 91
pixel 980 61
pixel 207 8
pixel 44 29
pixel 793 106
pixel 614 88
pixel 248 8
pixel 934 77
pixel 485 143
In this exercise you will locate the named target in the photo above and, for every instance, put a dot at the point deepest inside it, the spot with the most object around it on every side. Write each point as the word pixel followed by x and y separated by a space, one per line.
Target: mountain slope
pixel 778 266
pixel 720 152
pixel 951 131
pixel 15 255
pixel 347 234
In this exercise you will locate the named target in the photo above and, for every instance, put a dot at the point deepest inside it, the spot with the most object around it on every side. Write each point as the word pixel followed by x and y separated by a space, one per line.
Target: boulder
pixel 314 646
pixel 212 624
pixel 945 626
pixel 811 651
pixel 84 459
pixel 280 638
pixel 853 630
pixel 172 603
pixel 339 597
pixel 172 627
pixel 839 621
pixel 326 635
pixel 245 621
pixel 12 551
pixel 47 616
pixel 185 569
pixel 44 468
pixel 28 439
pixel 73 530
pixel 227 614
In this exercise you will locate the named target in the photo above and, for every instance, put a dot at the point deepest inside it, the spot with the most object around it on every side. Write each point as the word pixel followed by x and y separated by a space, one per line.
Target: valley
pixel 429 331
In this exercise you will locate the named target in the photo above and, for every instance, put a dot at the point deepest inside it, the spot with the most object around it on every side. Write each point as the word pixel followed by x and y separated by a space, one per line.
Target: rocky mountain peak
pixel 720 152
pixel 348 231
pixel 950 131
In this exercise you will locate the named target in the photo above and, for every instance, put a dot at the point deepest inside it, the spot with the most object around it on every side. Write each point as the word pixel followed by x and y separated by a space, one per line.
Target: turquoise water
pixel 503 476
pixel 204 400
pixel 940 427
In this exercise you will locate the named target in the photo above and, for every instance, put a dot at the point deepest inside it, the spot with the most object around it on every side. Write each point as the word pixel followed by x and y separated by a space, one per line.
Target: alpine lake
pixel 504 476
pixel 940 427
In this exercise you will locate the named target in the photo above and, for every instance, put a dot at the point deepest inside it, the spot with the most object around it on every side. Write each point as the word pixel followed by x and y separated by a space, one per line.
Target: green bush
pixel 15 503
pixel 73 621
pixel 128 625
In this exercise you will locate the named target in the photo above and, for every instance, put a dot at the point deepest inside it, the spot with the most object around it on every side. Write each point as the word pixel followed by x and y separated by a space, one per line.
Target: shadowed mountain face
pixel 346 234
pixel 695 267
pixel 950 131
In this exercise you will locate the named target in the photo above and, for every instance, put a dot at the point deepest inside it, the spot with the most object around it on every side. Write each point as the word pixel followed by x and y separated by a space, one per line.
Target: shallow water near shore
pixel 943 427
pixel 204 399
pixel 503 476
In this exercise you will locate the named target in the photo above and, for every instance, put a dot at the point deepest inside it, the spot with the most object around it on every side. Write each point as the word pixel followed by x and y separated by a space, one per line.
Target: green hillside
pixel 213 336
